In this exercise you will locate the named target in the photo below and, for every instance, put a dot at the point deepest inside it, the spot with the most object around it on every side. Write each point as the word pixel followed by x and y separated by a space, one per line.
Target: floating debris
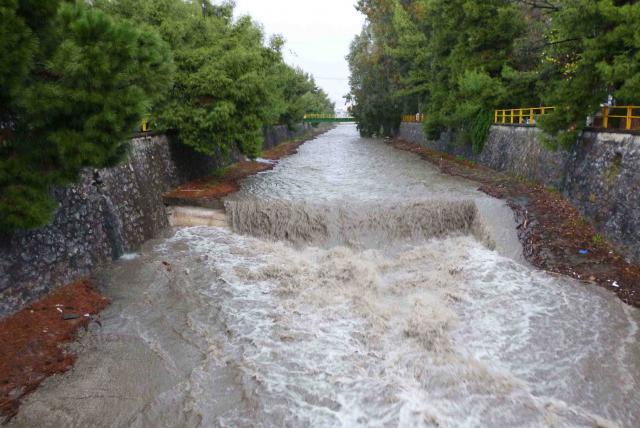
pixel 67 317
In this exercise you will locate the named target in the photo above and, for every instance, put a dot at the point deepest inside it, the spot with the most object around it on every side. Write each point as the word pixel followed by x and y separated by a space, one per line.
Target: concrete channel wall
pixel 109 212
pixel 600 175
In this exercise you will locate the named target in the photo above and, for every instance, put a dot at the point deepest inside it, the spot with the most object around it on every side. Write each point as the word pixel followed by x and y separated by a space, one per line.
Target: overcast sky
pixel 318 35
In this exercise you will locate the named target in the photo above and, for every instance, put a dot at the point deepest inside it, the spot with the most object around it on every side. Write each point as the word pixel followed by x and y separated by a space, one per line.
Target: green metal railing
pixel 325 118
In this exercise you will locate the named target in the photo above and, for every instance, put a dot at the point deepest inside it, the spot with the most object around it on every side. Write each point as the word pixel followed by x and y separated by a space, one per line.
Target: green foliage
pixel 229 81
pixel 480 130
pixel 300 95
pixel 83 83
pixel 444 58
pixel 597 239
pixel 374 106
pixel 17 47
pixel 77 77
pixel 593 51
pixel 457 60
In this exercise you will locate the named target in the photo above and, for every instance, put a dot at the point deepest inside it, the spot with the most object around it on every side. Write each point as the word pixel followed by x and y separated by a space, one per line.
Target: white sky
pixel 318 34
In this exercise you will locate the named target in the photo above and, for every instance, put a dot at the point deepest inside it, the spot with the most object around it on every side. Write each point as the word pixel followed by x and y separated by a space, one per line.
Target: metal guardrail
pixel 610 117
pixel 520 116
pixel 620 117
pixel 414 118
pixel 318 118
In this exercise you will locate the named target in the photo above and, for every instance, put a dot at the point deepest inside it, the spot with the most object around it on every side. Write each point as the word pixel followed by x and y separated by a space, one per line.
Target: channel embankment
pixel 44 294
pixel 577 211
pixel 111 212
pixel 209 192
pixel 600 175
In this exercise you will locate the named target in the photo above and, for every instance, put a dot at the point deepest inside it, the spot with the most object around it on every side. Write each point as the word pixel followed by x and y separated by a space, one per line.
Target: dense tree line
pixel 77 77
pixel 458 60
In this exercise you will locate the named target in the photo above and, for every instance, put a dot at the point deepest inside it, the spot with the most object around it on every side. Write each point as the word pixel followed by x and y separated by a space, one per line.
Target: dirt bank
pixel 554 235
pixel 208 192
pixel 33 342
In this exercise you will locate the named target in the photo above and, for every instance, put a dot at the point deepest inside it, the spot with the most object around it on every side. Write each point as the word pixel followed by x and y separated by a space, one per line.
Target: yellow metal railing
pixel 414 118
pixel 610 117
pixel 520 116
pixel 145 126
pixel 619 117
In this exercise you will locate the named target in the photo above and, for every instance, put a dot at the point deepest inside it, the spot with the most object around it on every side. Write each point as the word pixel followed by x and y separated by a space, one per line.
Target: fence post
pixel 495 116
pixel 511 114
pixel 520 116
pixel 605 117
pixel 531 120
pixel 629 114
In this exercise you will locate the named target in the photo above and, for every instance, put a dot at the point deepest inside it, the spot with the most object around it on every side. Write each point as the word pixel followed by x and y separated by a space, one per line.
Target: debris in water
pixel 67 317
pixel 455 271
pixel 615 284
pixel 583 252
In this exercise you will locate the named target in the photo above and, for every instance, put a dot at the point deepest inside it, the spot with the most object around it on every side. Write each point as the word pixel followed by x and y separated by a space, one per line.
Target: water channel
pixel 356 286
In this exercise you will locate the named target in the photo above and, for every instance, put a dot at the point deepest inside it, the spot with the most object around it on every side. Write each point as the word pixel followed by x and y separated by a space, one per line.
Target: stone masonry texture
pixel 109 212
pixel 600 175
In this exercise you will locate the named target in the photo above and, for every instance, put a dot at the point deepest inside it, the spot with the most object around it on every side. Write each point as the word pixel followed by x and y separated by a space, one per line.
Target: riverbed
pixel 355 286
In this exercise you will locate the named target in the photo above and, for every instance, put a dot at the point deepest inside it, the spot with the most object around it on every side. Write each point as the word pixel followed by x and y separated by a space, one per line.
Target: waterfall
pixel 369 225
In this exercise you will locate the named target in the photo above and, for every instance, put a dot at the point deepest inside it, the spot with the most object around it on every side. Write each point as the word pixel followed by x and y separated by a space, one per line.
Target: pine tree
pixel 81 84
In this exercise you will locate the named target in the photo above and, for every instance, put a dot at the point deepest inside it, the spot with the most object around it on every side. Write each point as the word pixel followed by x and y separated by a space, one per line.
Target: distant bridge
pixel 325 118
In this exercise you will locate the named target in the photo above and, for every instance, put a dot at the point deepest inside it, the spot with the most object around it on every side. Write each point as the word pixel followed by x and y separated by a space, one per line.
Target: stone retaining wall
pixel 600 175
pixel 109 212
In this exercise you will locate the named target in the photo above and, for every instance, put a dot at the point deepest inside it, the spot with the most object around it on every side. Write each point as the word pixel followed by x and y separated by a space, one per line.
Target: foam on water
pixel 360 225
pixel 325 311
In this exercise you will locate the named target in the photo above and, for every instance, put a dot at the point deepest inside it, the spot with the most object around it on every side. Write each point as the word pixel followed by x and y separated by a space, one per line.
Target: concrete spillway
pixel 181 216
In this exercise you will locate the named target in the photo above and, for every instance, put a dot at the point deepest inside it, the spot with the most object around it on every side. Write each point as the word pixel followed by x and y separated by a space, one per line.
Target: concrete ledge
pixel 197 216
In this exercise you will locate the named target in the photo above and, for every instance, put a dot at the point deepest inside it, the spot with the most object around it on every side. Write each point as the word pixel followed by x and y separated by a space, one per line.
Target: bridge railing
pixel 317 118
pixel 414 118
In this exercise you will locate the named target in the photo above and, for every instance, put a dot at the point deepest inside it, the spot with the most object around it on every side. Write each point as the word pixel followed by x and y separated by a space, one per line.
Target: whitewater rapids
pixel 356 286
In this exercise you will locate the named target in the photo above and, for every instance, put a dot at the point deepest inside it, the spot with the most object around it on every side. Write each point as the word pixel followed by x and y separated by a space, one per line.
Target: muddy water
pixel 359 287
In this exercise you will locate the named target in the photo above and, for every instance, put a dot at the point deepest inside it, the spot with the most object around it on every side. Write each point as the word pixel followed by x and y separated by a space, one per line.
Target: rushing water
pixel 359 287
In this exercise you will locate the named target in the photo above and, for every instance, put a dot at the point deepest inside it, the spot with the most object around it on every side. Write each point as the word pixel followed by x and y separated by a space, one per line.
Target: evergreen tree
pixel 592 52
pixel 76 78
pixel 81 86
pixel 458 60
pixel 229 81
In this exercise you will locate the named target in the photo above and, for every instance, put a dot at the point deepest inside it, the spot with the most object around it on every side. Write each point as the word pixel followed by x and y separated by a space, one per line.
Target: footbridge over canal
pixel 326 118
